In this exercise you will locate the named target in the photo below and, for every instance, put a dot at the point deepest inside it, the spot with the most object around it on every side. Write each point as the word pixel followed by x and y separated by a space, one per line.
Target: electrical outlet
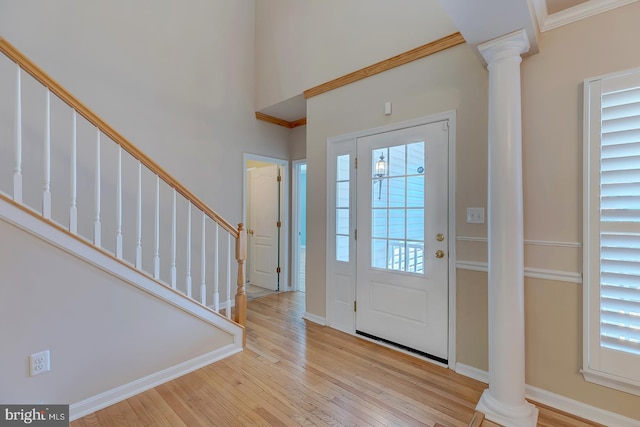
pixel 475 215
pixel 40 363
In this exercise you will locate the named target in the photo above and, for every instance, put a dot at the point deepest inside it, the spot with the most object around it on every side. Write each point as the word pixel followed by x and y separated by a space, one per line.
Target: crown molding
pixel 590 8
pixel 281 122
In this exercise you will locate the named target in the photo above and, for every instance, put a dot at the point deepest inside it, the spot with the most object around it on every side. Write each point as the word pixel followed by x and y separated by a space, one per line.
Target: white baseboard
pixel 471 372
pixel 315 319
pixel 557 401
pixel 118 394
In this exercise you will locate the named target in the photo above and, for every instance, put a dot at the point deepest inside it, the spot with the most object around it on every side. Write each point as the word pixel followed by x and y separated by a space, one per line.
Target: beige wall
pixel 552 85
pixel 450 80
pixel 102 333
pixel 552 168
pixel 298 143
pixel 304 43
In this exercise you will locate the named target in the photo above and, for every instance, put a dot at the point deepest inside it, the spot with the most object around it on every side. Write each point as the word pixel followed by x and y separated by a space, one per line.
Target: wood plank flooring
pixel 297 373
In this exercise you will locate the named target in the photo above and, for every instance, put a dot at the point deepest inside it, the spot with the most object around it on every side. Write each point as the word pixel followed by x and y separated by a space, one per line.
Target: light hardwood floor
pixel 295 372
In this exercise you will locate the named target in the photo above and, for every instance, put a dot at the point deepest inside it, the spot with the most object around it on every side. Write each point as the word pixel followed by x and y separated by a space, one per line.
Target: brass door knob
pixel 439 237
pixel 439 253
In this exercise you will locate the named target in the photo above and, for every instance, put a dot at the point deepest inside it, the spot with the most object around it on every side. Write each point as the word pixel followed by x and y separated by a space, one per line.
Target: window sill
pixel 612 381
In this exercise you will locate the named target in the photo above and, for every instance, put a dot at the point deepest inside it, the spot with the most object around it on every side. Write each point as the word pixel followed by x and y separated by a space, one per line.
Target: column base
pixel 525 415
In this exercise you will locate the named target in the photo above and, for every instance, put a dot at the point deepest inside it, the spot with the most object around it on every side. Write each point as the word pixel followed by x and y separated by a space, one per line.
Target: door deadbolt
pixel 439 253
pixel 439 237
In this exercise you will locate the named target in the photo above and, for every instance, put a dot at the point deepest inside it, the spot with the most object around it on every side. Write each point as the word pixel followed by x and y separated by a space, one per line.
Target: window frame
pixel 594 369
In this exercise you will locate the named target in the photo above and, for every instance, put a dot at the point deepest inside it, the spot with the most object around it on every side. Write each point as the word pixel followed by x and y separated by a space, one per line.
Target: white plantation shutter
pixel 620 221
pixel 612 231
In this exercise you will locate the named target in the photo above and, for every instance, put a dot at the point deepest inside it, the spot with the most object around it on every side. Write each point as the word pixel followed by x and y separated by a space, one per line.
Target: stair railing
pixel 207 237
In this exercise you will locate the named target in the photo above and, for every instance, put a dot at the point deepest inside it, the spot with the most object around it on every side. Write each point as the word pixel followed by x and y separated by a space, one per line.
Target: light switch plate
pixel 475 215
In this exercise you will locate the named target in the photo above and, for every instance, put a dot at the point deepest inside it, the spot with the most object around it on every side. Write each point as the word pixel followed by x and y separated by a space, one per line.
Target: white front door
pixel 262 220
pixel 402 250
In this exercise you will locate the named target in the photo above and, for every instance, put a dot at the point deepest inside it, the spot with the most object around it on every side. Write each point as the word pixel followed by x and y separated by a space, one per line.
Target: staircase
pixel 107 260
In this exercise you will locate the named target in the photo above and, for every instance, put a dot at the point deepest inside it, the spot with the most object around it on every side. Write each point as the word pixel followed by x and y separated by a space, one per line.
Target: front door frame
pixel 285 285
pixel 295 208
pixel 451 237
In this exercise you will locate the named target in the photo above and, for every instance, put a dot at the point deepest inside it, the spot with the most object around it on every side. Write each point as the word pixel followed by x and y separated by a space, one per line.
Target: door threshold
pixel 404 347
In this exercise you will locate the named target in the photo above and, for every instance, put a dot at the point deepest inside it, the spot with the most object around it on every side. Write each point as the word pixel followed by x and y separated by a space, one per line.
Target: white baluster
pixel 203 265
pixel 17 164
pixel 73 210
pixel 173 242
pixel 119 206
pixel 97 230
pixel 156 257
pixel 228 275
pixel 139 220
pixel 46 190
pixel 216 274
pixel 188 281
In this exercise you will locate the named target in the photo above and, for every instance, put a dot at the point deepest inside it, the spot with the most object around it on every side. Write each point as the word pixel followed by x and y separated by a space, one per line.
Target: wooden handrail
pixel 37 73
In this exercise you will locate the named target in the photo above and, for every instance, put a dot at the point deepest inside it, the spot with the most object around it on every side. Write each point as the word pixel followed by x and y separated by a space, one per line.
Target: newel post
pixel 241 296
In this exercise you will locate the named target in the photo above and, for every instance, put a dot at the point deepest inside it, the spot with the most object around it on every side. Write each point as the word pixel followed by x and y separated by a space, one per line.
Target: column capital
pixel 509 45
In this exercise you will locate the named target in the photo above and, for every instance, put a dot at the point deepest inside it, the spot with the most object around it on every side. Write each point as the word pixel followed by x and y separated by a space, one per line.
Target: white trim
pixel 534 273
pixel 552 243
pixel 557 401
pixel 472 372
pixel 472 239
pixel 118 394
pixel 472 266
pixel 284 210
pixel 602 378
pixel 315 318
pixel 87 252
pixel 449 116
pixel 295 239
pixel 526 242
pixel 584 10
pixel 556 275
pixel 453 288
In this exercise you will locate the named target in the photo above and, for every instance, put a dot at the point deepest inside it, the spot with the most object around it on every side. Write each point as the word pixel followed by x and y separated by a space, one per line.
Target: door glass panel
pixel 415 224
pixel 397 192
pixel 398 218
pixel 343 205
pixel 342 192
pixel 415 191
pixel 415 158
pixel 379 219
pixel 343 168
pixel 397 166
pixel 342 221
pixel 342 248
pixel 396 223
pixel 379 253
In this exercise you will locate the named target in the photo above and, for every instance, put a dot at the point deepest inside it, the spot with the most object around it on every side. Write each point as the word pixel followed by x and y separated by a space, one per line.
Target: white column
pixel 503 402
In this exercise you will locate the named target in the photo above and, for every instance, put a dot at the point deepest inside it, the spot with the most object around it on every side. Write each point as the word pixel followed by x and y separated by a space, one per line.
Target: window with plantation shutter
pixel 612 231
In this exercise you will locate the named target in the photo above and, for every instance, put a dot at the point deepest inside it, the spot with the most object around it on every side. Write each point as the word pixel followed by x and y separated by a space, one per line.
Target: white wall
pixel 102 333
pixel 176 78
pixel 304 43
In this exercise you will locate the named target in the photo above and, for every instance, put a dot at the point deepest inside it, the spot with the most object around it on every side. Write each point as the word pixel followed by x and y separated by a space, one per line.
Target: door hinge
pixel 279 224
pixel 278 270
pixel 355 306
pixel 355 234
pixel 356 162
pixel 279 177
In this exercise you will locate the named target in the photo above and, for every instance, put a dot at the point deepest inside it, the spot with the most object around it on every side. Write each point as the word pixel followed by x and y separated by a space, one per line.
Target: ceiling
pixel 472 18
